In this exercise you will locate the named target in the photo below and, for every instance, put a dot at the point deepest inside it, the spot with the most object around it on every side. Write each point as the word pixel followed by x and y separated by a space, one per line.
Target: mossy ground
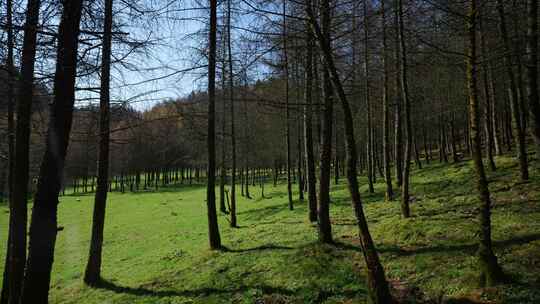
pixel 156 248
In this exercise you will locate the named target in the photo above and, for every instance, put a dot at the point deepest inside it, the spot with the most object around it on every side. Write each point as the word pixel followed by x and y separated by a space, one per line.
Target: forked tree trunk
pixel 43 227
pixel 19 198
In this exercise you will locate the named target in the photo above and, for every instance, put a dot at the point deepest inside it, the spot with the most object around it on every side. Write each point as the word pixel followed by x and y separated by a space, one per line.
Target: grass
pixel 155 248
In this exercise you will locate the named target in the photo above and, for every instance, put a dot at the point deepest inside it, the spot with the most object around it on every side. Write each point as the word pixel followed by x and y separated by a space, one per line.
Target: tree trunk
pixel 532 71
pixel 19 196
pixel 389 194
pixel 4 296
pixel 93 267
pixel 405 210
pixel 398 140
pixel 490 272
pixel 233 136
pixel 377 285
pixel 308 136
pixel 43 228
pixel 369 127
pixel 488 99
pixel 519 134
pixel 323 213
pixel 213 228
pixel 287 127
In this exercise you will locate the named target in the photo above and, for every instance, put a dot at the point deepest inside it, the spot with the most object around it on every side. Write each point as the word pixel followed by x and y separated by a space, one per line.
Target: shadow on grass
pixel 520 240
pixel 206 291
pixel 259 248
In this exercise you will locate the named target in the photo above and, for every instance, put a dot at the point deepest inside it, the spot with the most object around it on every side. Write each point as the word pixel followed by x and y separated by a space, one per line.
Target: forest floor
pixel 155 248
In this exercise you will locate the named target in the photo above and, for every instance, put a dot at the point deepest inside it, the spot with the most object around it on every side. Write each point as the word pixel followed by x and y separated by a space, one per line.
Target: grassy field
pixel 155 248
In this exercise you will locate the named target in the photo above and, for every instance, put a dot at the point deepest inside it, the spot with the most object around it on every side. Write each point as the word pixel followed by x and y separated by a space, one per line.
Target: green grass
pixel 155 248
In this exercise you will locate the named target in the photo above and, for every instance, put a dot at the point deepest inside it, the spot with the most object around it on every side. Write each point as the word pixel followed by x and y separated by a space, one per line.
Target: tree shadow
pixel 206 291
pixel 259 248
pixel 470 248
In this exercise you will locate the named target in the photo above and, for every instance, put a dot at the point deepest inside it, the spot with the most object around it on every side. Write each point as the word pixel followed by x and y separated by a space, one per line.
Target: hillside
pixel 155 248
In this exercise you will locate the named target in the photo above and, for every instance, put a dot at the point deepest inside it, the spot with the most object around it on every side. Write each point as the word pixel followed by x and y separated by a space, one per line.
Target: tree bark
pixel 405 210
pixel 92 273
pixel 490 272
pixel 323 213
pixel 369 127
pixel 43 228
pixel 376 280
pixel 287 127
pixel 519 134
pixel 532 71
pixel 389 194
pixel 19 196
pixel 4 296
pixel 233 136
pixel 308 131
pixel 213 228
pixel 490 144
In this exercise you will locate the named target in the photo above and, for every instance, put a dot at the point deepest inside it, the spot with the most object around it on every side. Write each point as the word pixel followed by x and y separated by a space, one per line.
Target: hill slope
pixel 155 248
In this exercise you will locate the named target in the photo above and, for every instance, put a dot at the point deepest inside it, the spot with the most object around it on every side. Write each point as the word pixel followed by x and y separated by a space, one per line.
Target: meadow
pixel 156 246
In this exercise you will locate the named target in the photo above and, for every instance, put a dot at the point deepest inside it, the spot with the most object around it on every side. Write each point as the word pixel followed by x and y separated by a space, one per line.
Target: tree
pixel 404 85
pixel 213 228
pixel 4 296
pixel 93 267
pixel 233 136
pixel 18 201
pixel 376 279
pixel 389 194
pixel 287 126
pixel 517 124
pixel 323 212
pixel 490 271
pixel 308 132
pixel 43 227
pixel 532 71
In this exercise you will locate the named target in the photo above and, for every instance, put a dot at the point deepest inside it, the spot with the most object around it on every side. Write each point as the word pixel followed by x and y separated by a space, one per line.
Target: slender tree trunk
pixel 213 228
pixel 369 127
pixel 323 213
pixel 93 267
pixel 308 136
pixel 223 169
pixel 488 99
pixel 43 228
pixel 233 135
pixel 287 127
pixel 389 194
pixel 376 280
pixel 398 140
pixel 405 210
pixel 519 134
pixel 4 296
pixel 490 271
pixel 19 196
pixel 532 72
